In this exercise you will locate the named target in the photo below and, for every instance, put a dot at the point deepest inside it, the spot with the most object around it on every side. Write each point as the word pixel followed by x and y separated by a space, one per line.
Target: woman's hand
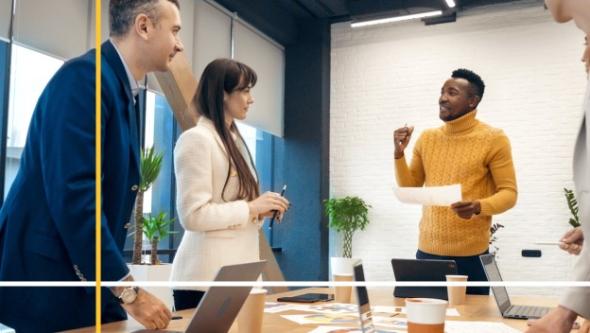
pixel 267 203
pixel 572 241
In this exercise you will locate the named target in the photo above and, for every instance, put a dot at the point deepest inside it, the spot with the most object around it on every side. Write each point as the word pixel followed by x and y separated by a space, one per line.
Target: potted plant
pixel 150 165
pixel 572 204
pixel 347 215
pixel 156 228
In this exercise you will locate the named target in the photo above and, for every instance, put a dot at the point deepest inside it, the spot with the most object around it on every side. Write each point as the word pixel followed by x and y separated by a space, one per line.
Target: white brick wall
pixel 386 76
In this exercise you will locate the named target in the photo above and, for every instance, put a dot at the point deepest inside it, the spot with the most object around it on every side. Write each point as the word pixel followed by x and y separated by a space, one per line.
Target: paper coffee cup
pixel 456 293
pixel 426 315
pixel 342 294
pixel 252 312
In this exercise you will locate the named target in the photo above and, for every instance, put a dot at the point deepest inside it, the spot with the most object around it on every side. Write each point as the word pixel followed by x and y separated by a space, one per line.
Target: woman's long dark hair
pixel 226 75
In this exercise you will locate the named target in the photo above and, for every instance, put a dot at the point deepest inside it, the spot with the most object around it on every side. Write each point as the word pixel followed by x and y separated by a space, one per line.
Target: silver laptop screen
pixel 493 274
pixel 363 301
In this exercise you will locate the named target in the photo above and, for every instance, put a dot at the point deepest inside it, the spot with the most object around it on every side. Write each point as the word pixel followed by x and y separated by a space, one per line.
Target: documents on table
pixel 451 326
pixel 326 308
pixel 341 308
pixel 385 323
pixel 451 312
pixel 342 329
pixel 323 318
pixel 429 196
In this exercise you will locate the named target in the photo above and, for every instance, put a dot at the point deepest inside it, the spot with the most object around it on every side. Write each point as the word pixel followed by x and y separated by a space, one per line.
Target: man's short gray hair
pixel 122 13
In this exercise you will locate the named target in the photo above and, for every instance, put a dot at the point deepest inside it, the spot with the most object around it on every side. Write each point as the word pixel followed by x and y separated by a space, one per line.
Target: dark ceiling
pixel 345 10
pixel 281 19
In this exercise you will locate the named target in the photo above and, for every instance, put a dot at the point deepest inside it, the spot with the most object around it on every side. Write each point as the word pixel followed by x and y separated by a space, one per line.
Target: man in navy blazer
pixel 47 223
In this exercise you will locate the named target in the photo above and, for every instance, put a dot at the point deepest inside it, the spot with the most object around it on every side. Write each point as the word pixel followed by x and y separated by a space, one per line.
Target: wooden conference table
pixel 476 308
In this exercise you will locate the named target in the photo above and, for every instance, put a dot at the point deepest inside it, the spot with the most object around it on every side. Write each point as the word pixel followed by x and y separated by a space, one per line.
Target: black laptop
pixel 506 307
pixel 422 270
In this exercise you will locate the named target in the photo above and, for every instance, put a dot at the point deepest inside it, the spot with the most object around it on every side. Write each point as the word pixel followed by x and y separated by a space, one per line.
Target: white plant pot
pixel 152 273
pixel 342 266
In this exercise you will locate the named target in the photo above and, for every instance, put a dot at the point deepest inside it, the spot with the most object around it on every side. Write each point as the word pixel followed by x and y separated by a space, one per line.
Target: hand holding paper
pixel 429 196
pixel 467 209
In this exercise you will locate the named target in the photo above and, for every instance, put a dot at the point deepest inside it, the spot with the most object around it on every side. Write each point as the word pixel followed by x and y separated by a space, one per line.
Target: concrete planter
pixel 342 266
pixel 153 273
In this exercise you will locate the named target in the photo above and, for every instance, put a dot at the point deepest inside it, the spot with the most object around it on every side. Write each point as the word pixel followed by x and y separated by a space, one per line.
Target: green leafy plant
pixel 572 204
pixel 150 165
pixel 156 228
pixel 347 215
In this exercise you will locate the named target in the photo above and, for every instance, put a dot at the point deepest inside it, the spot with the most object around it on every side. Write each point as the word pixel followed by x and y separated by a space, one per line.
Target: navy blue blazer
pixel 47 223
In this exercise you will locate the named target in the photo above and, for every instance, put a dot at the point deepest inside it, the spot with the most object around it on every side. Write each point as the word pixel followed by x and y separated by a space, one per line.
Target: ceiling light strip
pixel 395 19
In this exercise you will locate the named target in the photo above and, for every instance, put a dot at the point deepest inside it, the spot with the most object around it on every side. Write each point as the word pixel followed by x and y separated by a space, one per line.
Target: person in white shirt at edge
pixel 576 301
pixel 218 197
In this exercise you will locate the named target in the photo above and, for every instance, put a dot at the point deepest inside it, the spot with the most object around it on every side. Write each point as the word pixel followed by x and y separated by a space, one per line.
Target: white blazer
pixel 578 299
pixel 218 232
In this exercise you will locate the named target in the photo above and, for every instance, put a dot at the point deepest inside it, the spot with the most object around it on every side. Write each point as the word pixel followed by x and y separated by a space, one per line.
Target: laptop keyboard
pixel 524 311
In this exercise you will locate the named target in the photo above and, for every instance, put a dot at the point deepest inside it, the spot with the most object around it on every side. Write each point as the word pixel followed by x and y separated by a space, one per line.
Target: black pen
pixel 274 215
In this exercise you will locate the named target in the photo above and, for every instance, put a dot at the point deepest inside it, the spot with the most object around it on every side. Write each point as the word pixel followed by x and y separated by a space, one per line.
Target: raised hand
pixel 401 139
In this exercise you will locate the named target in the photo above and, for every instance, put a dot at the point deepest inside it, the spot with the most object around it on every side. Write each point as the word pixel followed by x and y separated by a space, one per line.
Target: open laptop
pixel 365 313
pixel 220 305
pixel 506 307
pixel 427 270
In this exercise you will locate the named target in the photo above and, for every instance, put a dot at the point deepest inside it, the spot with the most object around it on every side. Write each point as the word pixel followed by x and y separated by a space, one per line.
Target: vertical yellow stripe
pixel 98 210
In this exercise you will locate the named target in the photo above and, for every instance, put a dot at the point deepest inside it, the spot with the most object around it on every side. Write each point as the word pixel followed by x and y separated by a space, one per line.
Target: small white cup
pixel 456 294
pixel 426 315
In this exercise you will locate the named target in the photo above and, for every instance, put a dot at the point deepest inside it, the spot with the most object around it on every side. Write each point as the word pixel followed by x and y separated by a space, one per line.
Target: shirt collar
pixel 132 83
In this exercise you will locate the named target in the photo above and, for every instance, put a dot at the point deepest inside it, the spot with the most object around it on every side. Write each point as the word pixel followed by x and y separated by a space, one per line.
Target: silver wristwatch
pixel 129 295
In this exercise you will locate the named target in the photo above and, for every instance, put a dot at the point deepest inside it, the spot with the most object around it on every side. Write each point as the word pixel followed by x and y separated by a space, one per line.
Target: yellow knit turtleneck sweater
pixel 468 152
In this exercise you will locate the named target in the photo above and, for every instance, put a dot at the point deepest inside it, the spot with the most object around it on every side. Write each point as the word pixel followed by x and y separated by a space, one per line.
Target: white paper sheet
pixel 323 319
pixel 384 309
pixel 452 326
pixel 345 319
pixel 276 307
pixel 328 308
pixel 339 329
pixel 429 196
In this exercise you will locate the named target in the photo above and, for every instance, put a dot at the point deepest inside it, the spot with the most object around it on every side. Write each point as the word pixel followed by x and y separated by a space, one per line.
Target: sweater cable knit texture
pixel 471 153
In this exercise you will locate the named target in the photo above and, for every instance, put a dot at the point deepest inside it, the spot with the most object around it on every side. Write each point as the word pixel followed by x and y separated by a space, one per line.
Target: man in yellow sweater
pixel 463 151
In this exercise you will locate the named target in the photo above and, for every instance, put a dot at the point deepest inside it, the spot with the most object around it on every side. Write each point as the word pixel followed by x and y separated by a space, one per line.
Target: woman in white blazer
pixel 218 198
